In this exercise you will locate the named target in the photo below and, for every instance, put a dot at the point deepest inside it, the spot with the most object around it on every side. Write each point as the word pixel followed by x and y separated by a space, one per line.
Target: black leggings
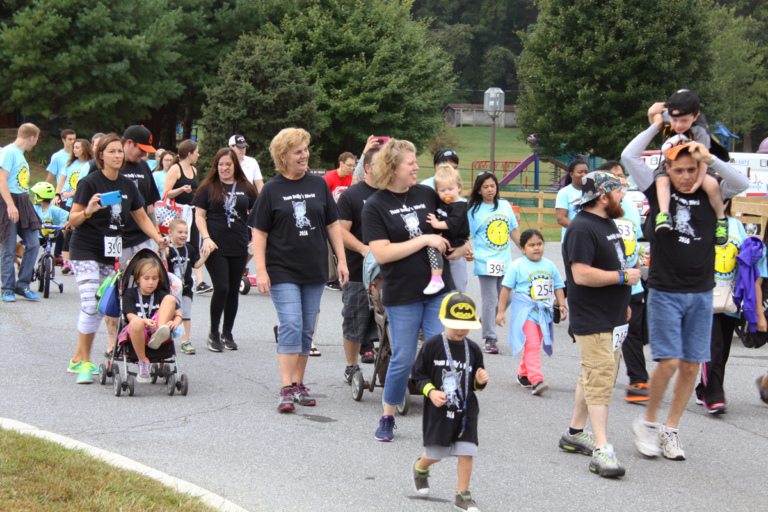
pixel 225 272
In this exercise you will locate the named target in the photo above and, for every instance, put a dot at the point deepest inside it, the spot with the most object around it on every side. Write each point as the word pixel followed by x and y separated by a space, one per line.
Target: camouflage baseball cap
pixel 595 184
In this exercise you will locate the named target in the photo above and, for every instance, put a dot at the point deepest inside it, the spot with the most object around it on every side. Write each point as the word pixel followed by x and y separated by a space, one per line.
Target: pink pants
pixel 530 365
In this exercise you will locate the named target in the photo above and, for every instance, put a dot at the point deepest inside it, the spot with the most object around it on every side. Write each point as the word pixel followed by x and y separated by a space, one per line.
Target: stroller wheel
pixel 61 288
pixel 131 383
pixel 358 385
pixel 102 374
pixel 153 370
pixel 117 384
pixel 183 384
pixel 403 407
pixel 171 384
pixel 245 285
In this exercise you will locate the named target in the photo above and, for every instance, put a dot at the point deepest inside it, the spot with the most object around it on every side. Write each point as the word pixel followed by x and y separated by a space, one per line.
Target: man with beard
pixel 680 280
pixel 599 288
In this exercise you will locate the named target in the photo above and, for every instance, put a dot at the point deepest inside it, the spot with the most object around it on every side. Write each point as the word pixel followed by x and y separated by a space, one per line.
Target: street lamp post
pixel 493 105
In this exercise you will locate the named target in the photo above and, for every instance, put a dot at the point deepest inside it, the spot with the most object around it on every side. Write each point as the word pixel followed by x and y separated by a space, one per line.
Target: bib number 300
pixel 113 246
pixel 495 268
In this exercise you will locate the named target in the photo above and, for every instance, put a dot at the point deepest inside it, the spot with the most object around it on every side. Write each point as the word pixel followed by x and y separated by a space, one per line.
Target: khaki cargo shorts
pixel 599 367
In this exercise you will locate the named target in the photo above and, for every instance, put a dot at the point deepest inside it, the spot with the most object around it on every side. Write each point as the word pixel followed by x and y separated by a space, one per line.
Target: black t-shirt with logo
pixel 399 218
pixel 295 213
pixel 142 177
pixel 455 216
pixel 143 306
pixel 441 426
pixel 87 242
pixel 180 262
pixel 350 204
pixel 595 241
pixel 683 259
pixel 227 221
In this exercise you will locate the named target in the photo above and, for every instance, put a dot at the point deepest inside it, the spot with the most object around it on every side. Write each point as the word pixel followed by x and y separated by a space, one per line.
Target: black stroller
pixel 373 283
pixel 163 359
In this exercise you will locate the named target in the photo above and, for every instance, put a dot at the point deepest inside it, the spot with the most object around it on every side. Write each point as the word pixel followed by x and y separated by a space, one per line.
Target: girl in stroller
pixel 151 314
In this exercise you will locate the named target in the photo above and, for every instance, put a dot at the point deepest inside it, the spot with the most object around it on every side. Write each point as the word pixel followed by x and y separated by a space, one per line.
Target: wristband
pixel 206 238
pixel 429 387
pixel 86 215
pixel 622 278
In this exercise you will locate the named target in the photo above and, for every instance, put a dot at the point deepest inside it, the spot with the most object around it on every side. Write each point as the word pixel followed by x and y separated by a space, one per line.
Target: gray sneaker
pixel 577 443
pixel 670 444
pixel 647 437
pixel 539 388
pixel 161 336
pixel 464 501
pixel 421 480
pixel 605 463
pixel 490 346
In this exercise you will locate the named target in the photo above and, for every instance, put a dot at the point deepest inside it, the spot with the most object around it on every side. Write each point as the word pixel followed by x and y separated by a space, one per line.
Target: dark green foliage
pixel 590 70
pixel 258 91
pixel 105 64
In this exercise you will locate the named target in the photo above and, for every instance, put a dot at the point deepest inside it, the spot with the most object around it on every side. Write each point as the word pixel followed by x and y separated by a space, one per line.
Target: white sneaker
pixel 647 437
pixel 434 287
pixel 161 336
pixel 670 444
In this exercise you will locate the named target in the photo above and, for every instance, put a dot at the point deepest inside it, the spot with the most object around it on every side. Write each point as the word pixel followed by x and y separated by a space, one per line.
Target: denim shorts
pixel 680 325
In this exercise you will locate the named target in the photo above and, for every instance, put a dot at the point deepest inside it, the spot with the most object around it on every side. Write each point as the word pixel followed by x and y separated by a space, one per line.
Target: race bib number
pixel 113 246
pixel 619 335
pixel 495 268
pixel 543 289
pixel 626 229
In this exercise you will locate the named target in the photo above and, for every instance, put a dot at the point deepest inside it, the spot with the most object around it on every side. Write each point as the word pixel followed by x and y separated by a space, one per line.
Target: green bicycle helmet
pixel 44 190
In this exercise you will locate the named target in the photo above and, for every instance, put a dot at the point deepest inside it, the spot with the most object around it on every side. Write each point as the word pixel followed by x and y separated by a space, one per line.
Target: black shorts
pixel 359 324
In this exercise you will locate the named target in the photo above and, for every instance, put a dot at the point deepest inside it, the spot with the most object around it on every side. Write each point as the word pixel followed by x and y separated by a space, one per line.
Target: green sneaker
pixel 74 367
pixel 187 348
pixel 663 223
pixel 721 232
pixel 84 377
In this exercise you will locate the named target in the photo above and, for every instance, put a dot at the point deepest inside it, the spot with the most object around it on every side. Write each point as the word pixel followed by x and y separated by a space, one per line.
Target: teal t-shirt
pixel 726 266
pixel 563 201
pixel 430 182
pixel 160 177
pixel 58 163
pixel 12 160
pixel 630 229
pixel 536 279
pixel 73 174
pixel 54 216
pixel 489 231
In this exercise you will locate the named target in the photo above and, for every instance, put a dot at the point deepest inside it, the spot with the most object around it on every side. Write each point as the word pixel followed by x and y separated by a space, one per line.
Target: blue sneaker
pixel 27 293
pixel 385 431
pixel 76 367
pixel 84 376
pixel 9 297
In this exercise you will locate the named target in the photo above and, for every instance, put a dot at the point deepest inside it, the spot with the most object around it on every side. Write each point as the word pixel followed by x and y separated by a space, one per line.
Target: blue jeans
pixel 31 244
pixel 404 323
pixel 297 308
pixel 680 325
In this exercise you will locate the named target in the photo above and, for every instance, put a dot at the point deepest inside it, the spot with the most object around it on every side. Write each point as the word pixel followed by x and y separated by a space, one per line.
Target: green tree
pixel 105 64
pixel 741 79
pixel 377 71
pixel 590 70
pixel 258 92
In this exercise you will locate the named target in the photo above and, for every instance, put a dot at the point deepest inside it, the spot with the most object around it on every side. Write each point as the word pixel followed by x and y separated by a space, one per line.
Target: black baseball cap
pixel 141 136
pixel 458 311
pixel 682 103
pixel 238 140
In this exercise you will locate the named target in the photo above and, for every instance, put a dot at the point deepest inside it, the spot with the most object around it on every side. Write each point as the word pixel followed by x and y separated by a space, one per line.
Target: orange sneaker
pixel 637 393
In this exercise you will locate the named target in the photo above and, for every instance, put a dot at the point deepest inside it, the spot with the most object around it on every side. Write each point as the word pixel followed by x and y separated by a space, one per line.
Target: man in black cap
pixel 249 165
pixel 599 289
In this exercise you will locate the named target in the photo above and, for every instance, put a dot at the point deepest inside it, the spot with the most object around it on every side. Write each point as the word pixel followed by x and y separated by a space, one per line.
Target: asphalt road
pixel 227 436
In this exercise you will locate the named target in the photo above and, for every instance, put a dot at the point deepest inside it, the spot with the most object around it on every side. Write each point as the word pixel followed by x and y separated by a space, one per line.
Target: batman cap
pixel 458 312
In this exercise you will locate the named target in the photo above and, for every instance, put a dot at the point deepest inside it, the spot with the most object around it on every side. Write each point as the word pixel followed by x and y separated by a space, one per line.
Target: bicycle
pixel 45 270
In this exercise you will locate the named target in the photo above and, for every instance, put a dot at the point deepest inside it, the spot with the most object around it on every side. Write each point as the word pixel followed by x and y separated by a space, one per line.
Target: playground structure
pixel 518 175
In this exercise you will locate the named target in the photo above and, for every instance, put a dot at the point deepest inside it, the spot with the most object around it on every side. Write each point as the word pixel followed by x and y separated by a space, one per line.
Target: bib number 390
pixel 619 335
pixel 113 246
pixel 495 268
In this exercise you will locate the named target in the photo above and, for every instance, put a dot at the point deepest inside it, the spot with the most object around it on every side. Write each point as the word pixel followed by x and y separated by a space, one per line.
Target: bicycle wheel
pixel 47 275
pixel 37 275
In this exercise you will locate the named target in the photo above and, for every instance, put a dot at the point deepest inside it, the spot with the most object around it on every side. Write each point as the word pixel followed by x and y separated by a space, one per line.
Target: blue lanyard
pixel 181 262
pixel 463 396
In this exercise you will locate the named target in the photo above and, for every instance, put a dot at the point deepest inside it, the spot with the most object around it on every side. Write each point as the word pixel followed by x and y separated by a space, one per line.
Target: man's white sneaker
pixel 647 437
pixel 670 444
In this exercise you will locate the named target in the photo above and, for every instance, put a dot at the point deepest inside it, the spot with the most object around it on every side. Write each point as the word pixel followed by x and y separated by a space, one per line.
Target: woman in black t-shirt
pixel 395 227
pixel 97 241
pixel 294 216
pixel 181 185
pixel 222 204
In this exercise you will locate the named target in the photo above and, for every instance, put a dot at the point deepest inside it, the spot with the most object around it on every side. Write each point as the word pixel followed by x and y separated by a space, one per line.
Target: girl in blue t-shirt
pixel 537 285
pixel 492 223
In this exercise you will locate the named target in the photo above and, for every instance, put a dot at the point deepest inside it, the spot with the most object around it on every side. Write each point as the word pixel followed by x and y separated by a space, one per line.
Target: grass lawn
pixel 36 474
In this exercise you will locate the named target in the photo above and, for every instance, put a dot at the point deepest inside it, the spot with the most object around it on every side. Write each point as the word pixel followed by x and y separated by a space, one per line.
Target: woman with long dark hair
pixel 564 210
pixel 77 168
pixel 222 204
pixel 492 223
